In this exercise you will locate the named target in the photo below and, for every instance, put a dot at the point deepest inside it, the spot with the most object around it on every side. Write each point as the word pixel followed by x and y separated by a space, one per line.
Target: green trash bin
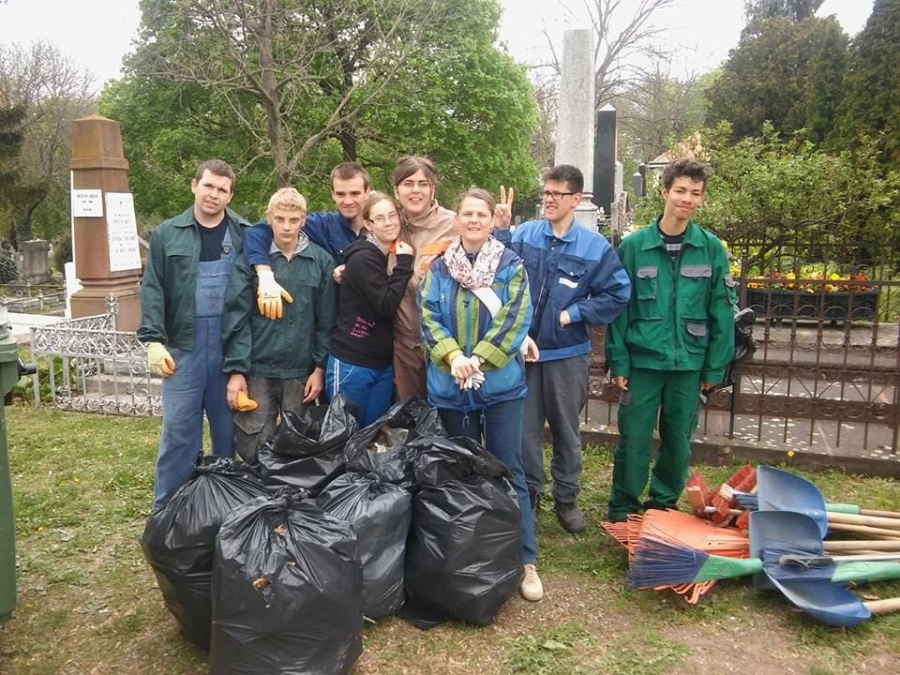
pixel 9 375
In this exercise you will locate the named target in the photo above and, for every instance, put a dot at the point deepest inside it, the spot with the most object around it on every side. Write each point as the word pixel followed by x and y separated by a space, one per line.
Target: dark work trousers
pixel 672 397
pixel 255 427
pixel 557 393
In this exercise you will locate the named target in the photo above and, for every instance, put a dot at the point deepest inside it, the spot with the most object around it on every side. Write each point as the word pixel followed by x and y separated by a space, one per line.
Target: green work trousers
pixel 672 397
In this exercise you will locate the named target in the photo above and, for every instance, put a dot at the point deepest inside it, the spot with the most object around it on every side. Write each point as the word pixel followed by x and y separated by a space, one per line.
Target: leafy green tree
pixel 870 109
pixel 787 69
pixel 284 89
pixel 793 10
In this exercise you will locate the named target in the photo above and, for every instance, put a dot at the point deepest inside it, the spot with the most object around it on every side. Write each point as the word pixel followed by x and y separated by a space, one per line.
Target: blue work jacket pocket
pixel 568 281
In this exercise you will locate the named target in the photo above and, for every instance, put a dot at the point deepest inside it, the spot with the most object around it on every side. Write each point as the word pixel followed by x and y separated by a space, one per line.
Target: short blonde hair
pixel 286 199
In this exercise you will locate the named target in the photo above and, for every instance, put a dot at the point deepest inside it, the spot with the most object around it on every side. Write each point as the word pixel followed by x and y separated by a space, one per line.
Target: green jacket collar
pixel 693 236
pixel 186 219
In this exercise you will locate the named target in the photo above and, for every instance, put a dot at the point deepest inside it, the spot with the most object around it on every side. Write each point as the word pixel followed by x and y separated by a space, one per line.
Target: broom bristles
pixel 656 562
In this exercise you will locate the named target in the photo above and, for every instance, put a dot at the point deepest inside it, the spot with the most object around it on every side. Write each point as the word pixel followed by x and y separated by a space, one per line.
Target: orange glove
pixel 245 403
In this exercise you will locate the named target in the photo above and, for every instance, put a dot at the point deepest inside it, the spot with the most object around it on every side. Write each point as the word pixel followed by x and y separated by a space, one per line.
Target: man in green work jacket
pixel 673 341
pixel 190 261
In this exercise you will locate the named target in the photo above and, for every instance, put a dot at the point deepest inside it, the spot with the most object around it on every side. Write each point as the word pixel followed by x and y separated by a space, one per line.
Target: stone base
pixel 91 300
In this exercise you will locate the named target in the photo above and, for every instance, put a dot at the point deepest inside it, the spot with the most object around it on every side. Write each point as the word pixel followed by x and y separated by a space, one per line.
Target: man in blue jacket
pixel 577 282
pixel 182 297
pixel 333 231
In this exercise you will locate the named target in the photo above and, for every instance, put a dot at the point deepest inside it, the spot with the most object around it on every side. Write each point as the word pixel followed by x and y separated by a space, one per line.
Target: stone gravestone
pixel 575 117
pixel 605 152
pixel 104 229
pixel 36 261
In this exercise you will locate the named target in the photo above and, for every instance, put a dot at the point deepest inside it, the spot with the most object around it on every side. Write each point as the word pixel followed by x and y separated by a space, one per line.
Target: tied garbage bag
pixel 382 447
pixel 380 514
pixel 463 554
pixel 307 449
pixel 179 541
pixel 286 591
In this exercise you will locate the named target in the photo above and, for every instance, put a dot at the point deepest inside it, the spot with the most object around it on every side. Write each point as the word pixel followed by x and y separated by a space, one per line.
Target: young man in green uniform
pixel 279 365
pixel 674 340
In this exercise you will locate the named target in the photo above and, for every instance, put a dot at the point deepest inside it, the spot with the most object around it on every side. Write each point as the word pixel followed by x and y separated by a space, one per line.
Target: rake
pixel 657 562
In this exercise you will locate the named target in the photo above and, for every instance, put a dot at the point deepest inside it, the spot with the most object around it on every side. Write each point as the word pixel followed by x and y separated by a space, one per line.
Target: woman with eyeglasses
pixel 378 267
pixel 428 228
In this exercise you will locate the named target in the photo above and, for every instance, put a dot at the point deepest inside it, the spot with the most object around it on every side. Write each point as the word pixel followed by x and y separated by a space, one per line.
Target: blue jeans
pixel 197 385
pixel 369 389
pixel 499 427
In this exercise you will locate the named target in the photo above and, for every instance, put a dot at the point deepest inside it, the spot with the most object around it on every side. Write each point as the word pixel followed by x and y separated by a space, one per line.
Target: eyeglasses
pixel 423 185
pixel 556 196
pixel 384 220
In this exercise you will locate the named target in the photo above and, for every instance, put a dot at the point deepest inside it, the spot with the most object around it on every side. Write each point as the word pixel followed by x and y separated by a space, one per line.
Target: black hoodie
pixel 364 331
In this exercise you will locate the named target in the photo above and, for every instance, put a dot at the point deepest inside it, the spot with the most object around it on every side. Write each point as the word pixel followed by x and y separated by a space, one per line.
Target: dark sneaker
pixel 571 517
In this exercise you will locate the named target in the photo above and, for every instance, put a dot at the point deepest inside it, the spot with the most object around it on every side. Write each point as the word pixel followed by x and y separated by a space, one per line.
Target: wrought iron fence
pixel 87 365
pixel 825 377
pixel 826 374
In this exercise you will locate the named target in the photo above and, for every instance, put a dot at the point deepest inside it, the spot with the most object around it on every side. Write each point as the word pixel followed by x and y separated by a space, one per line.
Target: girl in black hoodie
pixel 378 267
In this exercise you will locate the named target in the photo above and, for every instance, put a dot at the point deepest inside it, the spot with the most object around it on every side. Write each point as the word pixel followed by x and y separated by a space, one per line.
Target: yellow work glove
pixel 270 295
pixel 161 362
pixel 245 403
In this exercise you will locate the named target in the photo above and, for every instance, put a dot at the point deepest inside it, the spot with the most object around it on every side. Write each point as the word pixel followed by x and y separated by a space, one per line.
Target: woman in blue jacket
pixel 476 311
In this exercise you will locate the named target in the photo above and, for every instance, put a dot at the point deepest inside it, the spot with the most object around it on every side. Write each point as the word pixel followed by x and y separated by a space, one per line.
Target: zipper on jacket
pixel 469 347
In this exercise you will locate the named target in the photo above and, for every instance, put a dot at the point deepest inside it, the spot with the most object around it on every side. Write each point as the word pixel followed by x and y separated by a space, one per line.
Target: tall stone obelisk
pixel 104 230
pixel 575 117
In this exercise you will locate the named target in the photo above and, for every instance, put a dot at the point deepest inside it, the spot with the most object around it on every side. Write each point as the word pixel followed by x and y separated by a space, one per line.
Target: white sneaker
pixel 531 587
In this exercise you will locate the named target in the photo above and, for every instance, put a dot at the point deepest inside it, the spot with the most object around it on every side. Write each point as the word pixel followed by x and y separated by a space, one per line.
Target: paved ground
pixel 21 324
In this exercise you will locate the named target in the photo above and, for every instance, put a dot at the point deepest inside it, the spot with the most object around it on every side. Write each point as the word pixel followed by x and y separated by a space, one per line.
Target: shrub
pixel 9 266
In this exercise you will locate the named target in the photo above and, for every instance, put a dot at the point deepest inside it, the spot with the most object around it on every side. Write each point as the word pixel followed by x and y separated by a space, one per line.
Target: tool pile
pixel 772 525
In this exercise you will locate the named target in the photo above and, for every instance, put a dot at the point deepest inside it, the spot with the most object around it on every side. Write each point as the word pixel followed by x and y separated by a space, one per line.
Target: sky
pixel 97 33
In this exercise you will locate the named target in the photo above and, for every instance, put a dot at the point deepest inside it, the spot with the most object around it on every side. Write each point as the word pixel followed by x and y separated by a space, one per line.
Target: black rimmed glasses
pixel 556 196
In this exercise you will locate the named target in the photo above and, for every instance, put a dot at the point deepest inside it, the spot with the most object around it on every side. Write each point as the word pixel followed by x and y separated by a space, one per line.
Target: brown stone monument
pixel 104 231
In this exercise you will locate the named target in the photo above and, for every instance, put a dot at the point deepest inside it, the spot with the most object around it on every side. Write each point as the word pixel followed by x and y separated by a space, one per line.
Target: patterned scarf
pixel 480 274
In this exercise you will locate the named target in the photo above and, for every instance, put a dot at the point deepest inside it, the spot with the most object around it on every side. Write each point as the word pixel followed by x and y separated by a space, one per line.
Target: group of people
pixel 392 296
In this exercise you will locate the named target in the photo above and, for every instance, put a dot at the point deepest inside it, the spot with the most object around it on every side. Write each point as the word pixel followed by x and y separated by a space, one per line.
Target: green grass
pixel 88 603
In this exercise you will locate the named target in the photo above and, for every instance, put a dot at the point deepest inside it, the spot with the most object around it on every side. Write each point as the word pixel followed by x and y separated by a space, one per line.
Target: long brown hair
pixel 407 166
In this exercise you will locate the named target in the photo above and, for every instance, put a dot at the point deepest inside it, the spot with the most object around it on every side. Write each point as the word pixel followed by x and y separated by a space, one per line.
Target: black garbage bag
pixel 316 429
pixel 463 554
pixel 380 514
pixel 744 346
pixel 307 449
pixel 286 592
pixel 179 541
pixel 382 447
